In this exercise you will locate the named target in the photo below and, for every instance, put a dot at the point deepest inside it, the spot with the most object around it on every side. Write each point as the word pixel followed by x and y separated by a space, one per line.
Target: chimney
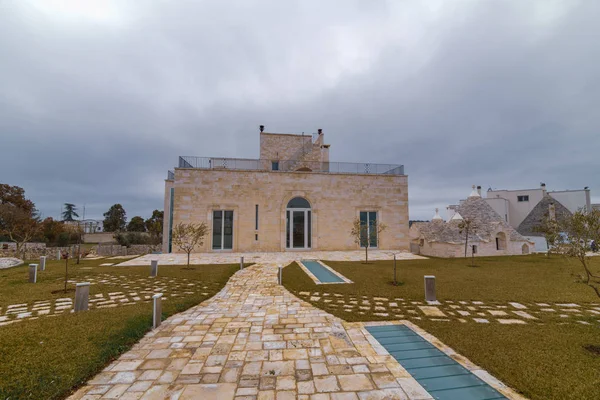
pixel 479 190
pixel 262 128
pixel 552 212
pixel 320 131
pixel 543 187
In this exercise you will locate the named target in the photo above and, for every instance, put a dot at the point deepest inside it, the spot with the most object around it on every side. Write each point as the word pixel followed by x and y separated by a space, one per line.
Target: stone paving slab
pixel 254 340
pixel 282 258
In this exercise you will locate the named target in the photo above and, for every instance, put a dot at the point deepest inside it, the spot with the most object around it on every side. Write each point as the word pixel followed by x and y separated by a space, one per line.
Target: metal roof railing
pixel 289 166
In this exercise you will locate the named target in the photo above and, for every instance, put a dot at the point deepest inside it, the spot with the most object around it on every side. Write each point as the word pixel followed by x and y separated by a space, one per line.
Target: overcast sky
pixel 99 98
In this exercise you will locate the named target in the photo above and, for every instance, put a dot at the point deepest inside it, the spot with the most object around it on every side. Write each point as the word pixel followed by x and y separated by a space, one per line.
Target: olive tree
pixel 363 234
pixel 188 236
pixel 577 233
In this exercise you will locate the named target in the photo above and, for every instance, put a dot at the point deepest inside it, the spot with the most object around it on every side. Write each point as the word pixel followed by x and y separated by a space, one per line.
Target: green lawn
pixel 543 359
pixel 48 357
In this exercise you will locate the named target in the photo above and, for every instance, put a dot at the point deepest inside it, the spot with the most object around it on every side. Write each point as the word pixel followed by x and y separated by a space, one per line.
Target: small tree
pixel 364 234
pixel 115 219
pixel 579 231
pixel 69 212
pixel 468 226
pixel 550 228
pixel 188 236
pixel 136 225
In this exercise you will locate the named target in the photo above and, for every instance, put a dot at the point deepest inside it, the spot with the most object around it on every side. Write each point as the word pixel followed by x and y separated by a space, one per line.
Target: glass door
pixel 298 229
pixel 222 232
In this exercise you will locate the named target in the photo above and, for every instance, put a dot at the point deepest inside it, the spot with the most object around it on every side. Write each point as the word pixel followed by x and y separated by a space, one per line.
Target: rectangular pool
pixel 321 273
pixel 440 375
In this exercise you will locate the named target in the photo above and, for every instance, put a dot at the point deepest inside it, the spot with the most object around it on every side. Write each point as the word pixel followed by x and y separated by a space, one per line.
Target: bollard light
pixel 82 296
pixel 430 288
pixel 33 273
pixel 156 310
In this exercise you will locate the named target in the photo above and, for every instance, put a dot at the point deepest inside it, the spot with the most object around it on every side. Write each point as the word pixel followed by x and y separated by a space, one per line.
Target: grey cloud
pixel 494 93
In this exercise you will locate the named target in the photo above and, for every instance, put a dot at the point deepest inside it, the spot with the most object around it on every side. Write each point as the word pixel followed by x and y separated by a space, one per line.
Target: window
pixel 368 219
pixel 474 249
pixel 522 198
pixel 275 165
pixel 256 217
pixel 501 241
pixel 222 230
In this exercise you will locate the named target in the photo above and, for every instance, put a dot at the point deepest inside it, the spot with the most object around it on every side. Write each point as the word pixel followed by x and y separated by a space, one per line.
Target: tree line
pixel 21 222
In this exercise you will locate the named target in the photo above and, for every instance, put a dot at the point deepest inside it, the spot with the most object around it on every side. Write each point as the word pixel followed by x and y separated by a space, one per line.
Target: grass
pixel 542 360
pixel 48 357
pixel 500 279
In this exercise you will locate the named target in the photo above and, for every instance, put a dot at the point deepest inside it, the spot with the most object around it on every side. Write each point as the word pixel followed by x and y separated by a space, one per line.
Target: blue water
pixel 323 274
pixel 440 375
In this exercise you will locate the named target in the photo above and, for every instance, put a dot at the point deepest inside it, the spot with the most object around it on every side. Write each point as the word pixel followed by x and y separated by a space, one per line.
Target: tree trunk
pixel 367 253
pixel 188 264
pixel 66 272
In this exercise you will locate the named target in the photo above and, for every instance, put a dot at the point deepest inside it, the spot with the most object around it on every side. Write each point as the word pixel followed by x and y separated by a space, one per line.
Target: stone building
pixel 489 235
pixel 290 198
pixel 546 209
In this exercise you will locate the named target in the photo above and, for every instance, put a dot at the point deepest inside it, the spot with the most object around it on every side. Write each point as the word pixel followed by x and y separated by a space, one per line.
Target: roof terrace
pixel 288 166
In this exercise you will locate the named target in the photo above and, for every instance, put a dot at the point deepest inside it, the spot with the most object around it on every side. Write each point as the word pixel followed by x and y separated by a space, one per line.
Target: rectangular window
pixel 368 222
pixel 522 198
pixel 474 249
pixel 275 165
pixel 222 232
pixel 256 217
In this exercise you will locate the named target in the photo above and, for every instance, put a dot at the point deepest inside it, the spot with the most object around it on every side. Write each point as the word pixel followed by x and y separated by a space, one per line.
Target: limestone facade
pixel 259 199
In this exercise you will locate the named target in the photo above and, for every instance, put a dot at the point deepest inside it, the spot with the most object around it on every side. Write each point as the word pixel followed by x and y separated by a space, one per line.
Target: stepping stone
pixel 497 313
pixel 524 315
pixel 568 305
pixel 481 320
pixel 518 305
pixel 431 311
pixel 463 313
pixel 511 321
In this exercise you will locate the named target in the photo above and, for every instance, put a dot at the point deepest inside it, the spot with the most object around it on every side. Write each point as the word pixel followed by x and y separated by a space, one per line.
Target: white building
pixel 516 205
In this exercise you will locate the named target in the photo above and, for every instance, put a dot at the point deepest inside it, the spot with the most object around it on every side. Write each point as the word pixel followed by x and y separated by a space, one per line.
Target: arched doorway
pixel 525 249
pixel 298 224
pixel 500 241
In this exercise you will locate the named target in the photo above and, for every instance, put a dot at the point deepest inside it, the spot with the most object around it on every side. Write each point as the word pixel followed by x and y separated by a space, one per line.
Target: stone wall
pixel 113 250
pixel 484 249
pixel 275 146
pixel 100 237
pixel 336 200
pixel 32 253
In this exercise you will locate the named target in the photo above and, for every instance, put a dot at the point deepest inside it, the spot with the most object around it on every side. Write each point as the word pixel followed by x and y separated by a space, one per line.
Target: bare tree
pixel 468 226
pixel 19 225
pixel 578 233
pixel 364 234
pixel 188 236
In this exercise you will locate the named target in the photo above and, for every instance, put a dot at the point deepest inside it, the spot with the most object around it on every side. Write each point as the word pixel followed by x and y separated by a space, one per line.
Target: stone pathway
pixel 254 340
pixel 131 291
pixel 283 257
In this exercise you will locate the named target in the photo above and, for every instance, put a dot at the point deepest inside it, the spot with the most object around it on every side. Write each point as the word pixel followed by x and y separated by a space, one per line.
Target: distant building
pixel 516 205
pixel 292 198
pixel 492 235
pixel 89 225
